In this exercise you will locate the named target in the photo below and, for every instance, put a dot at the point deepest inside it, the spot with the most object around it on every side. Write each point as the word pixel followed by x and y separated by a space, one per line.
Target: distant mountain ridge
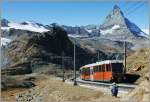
pixel 116 26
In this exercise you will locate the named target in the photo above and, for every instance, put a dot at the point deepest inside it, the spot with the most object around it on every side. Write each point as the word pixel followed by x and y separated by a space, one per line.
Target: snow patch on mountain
pixel 146 31
pixel 89 30
pixel 107 31
pixel 77 36
pixel 5 41
pixel 110 30
pixel 143 34
pixel 116 27
pixel 31 26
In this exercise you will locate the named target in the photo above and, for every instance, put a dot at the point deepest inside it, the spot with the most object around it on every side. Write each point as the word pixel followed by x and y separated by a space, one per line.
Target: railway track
pixel 123 87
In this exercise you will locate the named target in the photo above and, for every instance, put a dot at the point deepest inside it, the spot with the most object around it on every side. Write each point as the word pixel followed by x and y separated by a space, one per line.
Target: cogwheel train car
pixel 106 71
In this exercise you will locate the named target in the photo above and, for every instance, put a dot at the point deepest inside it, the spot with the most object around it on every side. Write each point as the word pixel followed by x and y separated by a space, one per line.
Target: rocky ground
pixel 138 63
pixel 49 88
pixel 141 93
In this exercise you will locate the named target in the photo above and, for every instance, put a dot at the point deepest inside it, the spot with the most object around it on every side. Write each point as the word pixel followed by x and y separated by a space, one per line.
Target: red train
pixel 106 71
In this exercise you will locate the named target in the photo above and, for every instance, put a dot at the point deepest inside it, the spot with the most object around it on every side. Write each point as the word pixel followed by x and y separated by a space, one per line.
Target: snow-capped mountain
pixel 27 25
pixel 93 30
pixel 117 26
pixel 75 31
pixel 8 32
pixel 82 31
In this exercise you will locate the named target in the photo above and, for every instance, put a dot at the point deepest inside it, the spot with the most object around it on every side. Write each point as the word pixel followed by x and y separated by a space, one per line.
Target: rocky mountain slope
pixel 141 93
pixel 82 31
pixel 138 63
pixel 115 30
pixel 46 47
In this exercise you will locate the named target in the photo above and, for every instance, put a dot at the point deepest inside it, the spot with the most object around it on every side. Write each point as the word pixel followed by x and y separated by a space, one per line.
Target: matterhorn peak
pixel 115 17
pixel 117 10
pixel 116 24
pixel 116 7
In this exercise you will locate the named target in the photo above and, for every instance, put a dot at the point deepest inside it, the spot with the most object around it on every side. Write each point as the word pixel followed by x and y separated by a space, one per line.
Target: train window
pixel 117 67
pixel 100 68
pixel 87 70
pixel 96 69
pixel 108 67
pixel 83 70
pixel 103 67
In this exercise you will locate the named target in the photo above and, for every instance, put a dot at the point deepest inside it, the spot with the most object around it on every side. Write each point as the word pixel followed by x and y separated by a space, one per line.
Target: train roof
pixel 103 62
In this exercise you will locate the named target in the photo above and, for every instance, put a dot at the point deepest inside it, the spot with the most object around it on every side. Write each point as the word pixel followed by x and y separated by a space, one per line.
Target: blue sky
pixel 75 13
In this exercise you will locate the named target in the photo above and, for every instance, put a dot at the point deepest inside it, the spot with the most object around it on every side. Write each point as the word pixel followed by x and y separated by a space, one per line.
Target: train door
pixel 87 73
pixel 83 73
pixel 91 73
pixel 108 72
pixel 96 73
pixel 101 73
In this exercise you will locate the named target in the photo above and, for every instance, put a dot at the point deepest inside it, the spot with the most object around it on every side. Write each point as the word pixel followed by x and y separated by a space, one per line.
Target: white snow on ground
pixel 146 31
pixel 31 26
pixel 90 31
pixel 5 41
pixel 77 36
pixel 143 34
pixel 116 27
pixel 109 31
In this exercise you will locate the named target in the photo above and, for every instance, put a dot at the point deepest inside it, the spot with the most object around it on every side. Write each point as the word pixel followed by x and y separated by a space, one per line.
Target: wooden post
pixel 98 55
pixel 63 70
pixel 75 82
pixel 125 57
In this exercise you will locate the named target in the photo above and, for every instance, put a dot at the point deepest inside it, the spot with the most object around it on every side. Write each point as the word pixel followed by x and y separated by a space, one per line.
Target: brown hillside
pixel 138 63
